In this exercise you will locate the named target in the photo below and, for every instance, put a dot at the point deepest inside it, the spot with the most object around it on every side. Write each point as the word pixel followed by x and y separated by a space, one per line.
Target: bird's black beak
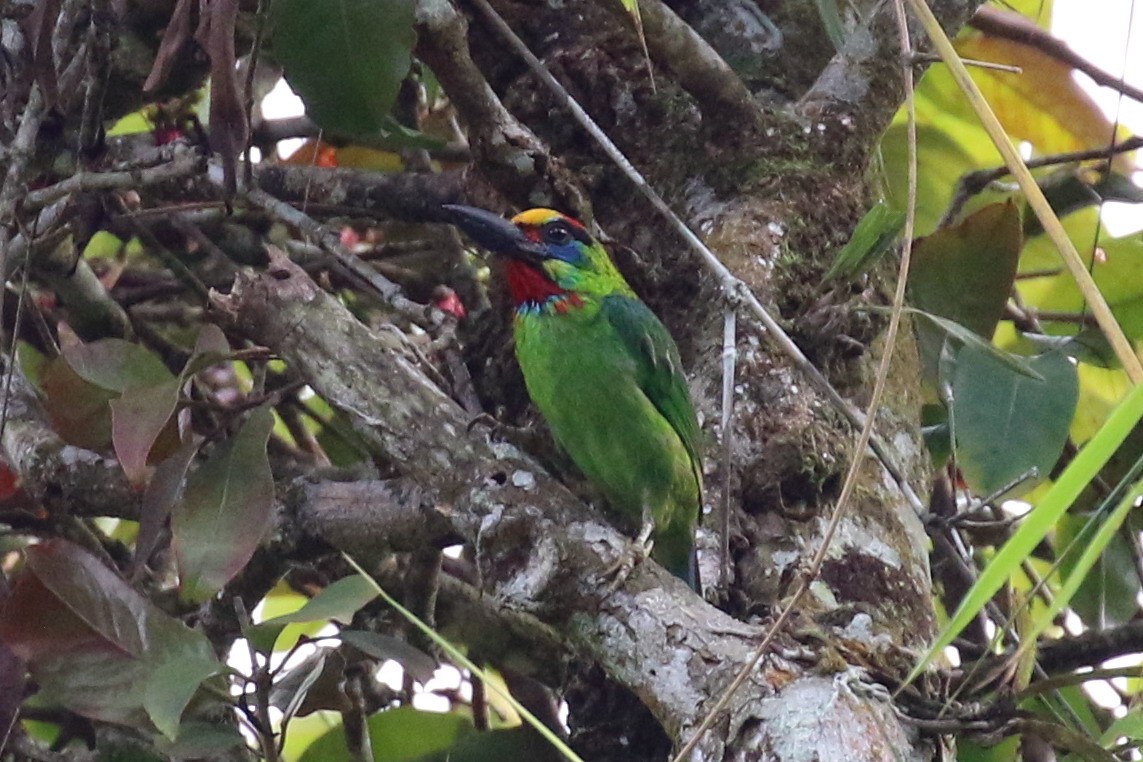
pixel 493 232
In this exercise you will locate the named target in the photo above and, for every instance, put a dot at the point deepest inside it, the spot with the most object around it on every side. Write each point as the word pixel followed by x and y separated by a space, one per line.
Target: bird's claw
pixel 632 556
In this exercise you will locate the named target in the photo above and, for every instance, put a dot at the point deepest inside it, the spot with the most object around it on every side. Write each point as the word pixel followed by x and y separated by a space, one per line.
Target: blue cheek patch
pixel 572 253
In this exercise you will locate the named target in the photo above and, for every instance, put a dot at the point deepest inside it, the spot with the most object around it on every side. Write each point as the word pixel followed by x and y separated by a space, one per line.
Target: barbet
pixel 604 373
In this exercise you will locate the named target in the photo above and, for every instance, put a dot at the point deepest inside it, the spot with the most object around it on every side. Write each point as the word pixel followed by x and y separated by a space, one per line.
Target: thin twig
pixel 329 241
pixel 992 65
pixel 729 355
pixel 972 183
pixel 181 166
pixel 1012 26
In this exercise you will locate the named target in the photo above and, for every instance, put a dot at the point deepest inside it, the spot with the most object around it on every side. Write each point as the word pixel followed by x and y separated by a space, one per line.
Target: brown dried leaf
pixel 38 27
pixel 175 38
pixel 228 126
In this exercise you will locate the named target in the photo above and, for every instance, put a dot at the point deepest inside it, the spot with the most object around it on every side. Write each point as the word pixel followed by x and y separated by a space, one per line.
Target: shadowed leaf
pixel 416 662
pixel 225 511
pixel 338 601
pixel 1005 423
pixel 210 348
pixel 964 273
pixel 1108 596
pixel 138 417
pixel 162 491
pixel 94 645
pixel 345 58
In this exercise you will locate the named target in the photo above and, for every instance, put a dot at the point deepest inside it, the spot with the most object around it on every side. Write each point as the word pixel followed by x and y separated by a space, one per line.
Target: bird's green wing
pixel 658 368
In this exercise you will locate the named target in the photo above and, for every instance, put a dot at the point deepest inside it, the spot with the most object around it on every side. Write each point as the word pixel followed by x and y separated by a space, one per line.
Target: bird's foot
pixel 632 556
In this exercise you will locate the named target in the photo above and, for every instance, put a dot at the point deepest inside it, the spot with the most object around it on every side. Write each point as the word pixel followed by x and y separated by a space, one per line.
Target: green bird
pixel 605 374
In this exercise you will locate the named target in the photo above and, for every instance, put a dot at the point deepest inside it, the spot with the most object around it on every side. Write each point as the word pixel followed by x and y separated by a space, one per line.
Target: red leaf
pixel 79 384
pixel 9 482
pixel 97 647
pixel 66 599
pixel 447 300
pixel 162 492
pixel 78 409
pixel 137 420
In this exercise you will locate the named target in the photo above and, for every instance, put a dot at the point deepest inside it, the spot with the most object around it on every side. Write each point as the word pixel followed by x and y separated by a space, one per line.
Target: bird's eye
pixel 557 233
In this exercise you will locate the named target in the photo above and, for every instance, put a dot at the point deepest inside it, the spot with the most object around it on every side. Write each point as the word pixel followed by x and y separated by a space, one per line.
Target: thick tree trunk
pixel 775 190
pixel 770 164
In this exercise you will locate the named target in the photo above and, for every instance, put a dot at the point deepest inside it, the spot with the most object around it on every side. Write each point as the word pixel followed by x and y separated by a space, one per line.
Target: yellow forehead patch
pixel 536 217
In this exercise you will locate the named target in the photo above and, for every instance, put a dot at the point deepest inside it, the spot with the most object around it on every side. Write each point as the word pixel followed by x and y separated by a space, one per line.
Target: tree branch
pixel 1012 26
pixel 863 81
pixel 507 150
pixel 538 548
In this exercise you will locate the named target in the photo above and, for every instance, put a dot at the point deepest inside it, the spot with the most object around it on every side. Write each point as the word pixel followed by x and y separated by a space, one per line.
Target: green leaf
pixel 830 14
pixel 1005 423
pixel 397 735
pixel 873 236
pixel 416 662
pixel 1117 270
pixel 32 362
pixel 225 511
pixel 345 58
pixel 1041 520
pixel 1129 725
pixel 174 680
pixel 1107 596
pixel 1088 346
pixel 964 273
pixel 338 601
pixel 946 357
pixel 115 364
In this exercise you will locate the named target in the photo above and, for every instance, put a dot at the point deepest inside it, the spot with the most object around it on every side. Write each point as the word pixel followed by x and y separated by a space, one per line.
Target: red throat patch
pixel 529 284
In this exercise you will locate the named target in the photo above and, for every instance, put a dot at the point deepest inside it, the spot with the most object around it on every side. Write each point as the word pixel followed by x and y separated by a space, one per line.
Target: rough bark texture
pixel 774 194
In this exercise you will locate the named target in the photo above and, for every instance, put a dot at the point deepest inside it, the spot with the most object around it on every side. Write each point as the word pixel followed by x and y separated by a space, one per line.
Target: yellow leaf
pixel 1043 105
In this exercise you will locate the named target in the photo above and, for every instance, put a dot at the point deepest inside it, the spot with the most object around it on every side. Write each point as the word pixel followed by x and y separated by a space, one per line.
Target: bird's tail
pixel 676 552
